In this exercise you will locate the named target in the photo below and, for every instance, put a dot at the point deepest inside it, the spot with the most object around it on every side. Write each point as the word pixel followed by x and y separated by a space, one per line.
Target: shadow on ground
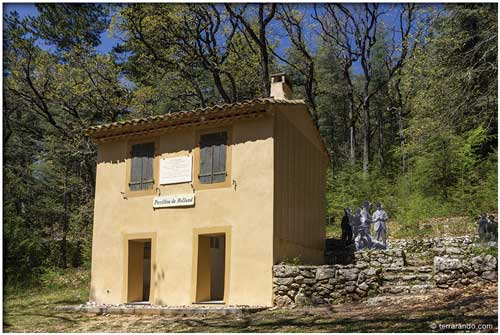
pixel 415 313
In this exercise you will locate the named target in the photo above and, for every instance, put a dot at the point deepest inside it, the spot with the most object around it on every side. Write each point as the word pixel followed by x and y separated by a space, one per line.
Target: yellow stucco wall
pixel 247 212
pixel 300 172
pixel 275 209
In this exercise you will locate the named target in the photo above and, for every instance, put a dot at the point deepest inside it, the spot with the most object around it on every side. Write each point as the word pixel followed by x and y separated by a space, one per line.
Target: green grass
pixel 489 250
pixel 32 310
pixel 442 226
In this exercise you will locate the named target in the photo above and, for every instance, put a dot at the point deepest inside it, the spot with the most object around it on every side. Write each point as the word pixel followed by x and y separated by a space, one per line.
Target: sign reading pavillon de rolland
pixel 179 200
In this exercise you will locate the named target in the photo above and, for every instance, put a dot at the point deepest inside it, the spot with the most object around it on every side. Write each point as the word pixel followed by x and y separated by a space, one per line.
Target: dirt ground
pixel 454 310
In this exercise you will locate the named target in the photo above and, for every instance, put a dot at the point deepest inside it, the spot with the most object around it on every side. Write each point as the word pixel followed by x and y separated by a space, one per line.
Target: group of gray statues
pixel 487 227
pixel 356 227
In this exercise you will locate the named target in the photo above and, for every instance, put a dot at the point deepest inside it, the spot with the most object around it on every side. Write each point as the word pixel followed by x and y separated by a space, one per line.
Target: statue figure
pixel 346 227
pixel 355 225
pixel 492 228
pixel 364 228
pixel 482 225
pixel 380 218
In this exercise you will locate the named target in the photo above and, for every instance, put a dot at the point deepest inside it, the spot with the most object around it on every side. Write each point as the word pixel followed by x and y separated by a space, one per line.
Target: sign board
pixel 179 200
pixel 175 170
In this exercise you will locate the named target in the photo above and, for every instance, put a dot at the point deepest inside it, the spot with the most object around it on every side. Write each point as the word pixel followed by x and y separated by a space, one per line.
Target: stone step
pixel 405 289
pixel 419 262
pixel 409 269
pixel 403 278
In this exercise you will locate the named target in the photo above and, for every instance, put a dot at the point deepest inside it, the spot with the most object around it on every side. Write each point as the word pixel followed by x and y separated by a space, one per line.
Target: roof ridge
pixel 181 113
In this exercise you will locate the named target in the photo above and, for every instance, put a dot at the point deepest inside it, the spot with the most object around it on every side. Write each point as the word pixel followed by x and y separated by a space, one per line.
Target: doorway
pixel 211 268
pixel 139 270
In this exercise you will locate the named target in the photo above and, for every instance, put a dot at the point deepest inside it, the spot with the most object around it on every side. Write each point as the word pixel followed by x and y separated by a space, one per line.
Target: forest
pixel 404 95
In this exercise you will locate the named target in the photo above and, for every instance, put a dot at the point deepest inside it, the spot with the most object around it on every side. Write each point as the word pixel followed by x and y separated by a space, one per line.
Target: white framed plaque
pixel 174 170
pixel 178 200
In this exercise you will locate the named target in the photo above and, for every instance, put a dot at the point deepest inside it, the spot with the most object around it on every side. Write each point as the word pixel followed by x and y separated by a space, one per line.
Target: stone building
pixel 195 207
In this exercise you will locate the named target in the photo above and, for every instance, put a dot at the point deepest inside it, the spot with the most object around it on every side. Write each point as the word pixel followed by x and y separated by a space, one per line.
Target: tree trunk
pixel 350 98
pixel 220 87
pixel 402 139
pixel 352 138
pixel 366 134
pixel 380 138
pixel 401 125
pixel 64 247
pixel 264 57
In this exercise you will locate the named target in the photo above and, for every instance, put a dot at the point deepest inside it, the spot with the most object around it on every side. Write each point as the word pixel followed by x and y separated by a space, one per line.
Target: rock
pixel 420 288
pixel 299 279
pixel 302 300
pixel 453 250
pixel 489 275
pixel 363 287
pixel 283 288
pixel 361 265
pixel 294 285
pixel 309 281
pixel 442 264
pixel 438 251
pixel 360 292
pixel 317 300
pixel 372 272
pixel 306 274
pixel 398 263
pixel 471 274
pixel 349 274
pixel 455 275
pixel 395 289
pixel 408 277
pixel 350 289
pixel 291 293
pixel 326 287
pixel 285 271
pixel 325 273
pixel 477 260
pixel 361 277
pixel 282 301
pixel 283 281
pixel 336 295
pixel 490 263
pixel 441 279
pixel 375 263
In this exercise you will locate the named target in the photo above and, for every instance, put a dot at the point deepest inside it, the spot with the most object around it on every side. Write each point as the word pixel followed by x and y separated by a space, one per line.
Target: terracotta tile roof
pixel 178 118
pixel 244 109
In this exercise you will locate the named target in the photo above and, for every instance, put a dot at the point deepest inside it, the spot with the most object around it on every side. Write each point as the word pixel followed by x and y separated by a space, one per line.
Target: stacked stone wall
pixel 414 267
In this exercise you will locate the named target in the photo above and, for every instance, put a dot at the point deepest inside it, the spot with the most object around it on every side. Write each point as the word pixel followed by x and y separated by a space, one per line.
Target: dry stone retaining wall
pixel 456 272
pixel 443 263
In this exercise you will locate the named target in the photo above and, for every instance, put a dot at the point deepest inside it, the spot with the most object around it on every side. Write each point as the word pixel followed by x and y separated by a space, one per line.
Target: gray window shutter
pixel 213 149
pixel 136 168
pixel 141 174
pixel 206 153
pixel 147 166
pixel 219 158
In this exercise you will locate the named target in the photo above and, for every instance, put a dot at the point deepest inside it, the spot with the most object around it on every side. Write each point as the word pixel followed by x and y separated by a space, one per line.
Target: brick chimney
pixel 281 87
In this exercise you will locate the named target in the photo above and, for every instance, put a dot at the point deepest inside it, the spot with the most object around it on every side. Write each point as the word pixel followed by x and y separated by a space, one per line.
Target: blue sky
pixel 107 42
pixel 29 9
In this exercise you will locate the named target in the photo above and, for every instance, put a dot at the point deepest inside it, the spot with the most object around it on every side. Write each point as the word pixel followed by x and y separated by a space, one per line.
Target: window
pixel 213 149
pixel 141 173
pixel 214 242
